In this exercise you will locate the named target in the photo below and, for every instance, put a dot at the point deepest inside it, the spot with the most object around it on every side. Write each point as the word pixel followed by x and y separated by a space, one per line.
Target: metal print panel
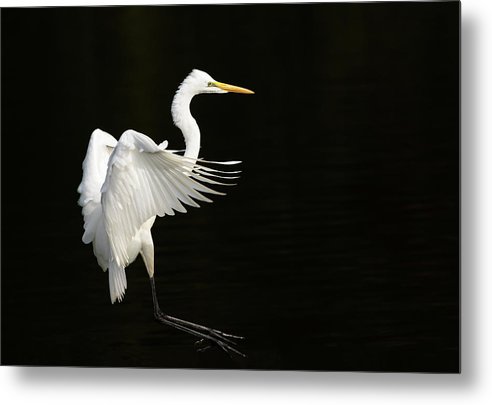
pixel 337 248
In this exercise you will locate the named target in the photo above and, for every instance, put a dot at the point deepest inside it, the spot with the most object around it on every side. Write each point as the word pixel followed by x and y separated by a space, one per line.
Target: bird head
pixel 200 82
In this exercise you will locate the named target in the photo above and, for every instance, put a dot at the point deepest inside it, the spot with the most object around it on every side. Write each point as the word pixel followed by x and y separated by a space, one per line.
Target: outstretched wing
pixel 144 180
pixel 95 166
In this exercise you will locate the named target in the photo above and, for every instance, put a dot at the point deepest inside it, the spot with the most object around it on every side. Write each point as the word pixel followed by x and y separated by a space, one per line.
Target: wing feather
pixel 144 180
pixel 94 166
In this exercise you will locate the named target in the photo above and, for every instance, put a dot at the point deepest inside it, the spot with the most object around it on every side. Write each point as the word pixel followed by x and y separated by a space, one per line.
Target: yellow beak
pixel 231 88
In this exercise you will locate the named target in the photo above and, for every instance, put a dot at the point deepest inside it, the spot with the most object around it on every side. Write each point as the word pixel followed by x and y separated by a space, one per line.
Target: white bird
pixel 127 183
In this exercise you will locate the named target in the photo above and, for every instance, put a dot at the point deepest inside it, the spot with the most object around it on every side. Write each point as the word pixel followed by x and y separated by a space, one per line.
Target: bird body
pixel 120 203
pixel 127 183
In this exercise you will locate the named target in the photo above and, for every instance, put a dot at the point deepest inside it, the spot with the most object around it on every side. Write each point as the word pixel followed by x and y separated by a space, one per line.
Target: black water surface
pixel 337 250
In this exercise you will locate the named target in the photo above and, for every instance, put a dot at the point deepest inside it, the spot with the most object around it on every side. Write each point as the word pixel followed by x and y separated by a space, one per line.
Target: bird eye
pixel 210 84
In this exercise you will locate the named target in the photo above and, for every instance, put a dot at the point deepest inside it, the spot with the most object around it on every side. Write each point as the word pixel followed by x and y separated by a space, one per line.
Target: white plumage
pixel 127 183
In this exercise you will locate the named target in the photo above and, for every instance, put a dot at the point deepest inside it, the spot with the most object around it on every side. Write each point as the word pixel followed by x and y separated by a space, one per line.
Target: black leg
pixel 208 336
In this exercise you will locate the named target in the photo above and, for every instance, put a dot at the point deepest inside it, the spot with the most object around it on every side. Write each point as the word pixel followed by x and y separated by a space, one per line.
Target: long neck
pixel 184 120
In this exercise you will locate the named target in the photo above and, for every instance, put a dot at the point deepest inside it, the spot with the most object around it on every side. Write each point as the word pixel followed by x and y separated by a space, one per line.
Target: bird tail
pixel 117 281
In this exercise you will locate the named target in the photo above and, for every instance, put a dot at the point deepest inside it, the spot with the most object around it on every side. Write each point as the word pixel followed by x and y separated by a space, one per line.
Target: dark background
pixel 338 249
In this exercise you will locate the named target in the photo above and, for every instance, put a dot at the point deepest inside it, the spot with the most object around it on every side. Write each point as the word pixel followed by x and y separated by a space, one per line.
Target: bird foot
pixel 202 345
pixel 208 336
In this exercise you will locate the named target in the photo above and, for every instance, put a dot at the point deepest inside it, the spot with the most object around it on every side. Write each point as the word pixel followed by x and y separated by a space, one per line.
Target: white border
pixel 130 386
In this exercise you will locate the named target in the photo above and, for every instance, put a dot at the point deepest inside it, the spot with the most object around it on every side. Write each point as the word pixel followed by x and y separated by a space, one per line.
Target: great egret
pixel 127 183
